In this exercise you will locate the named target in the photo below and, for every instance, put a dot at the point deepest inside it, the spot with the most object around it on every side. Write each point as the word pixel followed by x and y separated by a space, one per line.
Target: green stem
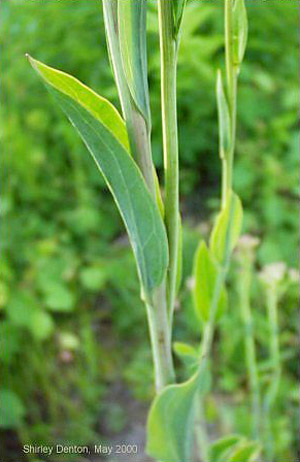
pixel 168 46
pixel 200 424
pixel 244 296
pixel 231 78
pixel 270 398
pixel 139 132
pixel 201 433
pixel 160 334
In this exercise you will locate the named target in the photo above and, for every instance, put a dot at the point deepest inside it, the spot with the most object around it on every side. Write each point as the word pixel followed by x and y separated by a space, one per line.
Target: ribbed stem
pixel 160 334
pixel 139 132
pixel 168 46
pixel 231 79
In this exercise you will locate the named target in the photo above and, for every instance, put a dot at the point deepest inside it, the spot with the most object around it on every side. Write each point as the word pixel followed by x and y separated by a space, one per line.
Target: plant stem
pixel 160 341
pixel 270 398
pixel 244 296
pixel 201 434
pixel 139 132
pixel 210 326
pixel 168 46
pixel 231 77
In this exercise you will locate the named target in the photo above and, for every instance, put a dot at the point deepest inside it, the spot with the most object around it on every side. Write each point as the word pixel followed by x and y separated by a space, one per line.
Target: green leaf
pixel 97 106
pixel 171 421
pixel 240 31
pixel 206 273
pixel 12 410
pixel 24 310
pixel 227 228
pixel 9 335
pixel 221 446
pixel 133 48
pixel 246 452
pixel 178 10
pixel 41 325
pixel 224 117
pixel 59 297
pixel 20 308
pixel 159 199
pixel 94 278
pixel 185 350
pixel 110 13
pixel 102 130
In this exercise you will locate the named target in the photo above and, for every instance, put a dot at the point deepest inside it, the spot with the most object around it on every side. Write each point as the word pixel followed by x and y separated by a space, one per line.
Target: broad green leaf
pixel 133 49
pixel 96 123
pixel 205 273
pixel 100 108
pixel 12 410
pixel 221 446
pixel 224 117
pixel 178 10
pixel 171 421
pixel 240 31
pixel 227 228
pixel 246 452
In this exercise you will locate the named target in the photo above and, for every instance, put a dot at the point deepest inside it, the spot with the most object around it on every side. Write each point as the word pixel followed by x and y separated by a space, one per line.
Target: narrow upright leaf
pixel 133 48
pixel 103 131
pixel 205 273
pixel 179 257
pixel 224 117
pixel 221 447
pixel 240 30
pixel 227 229
pixel 110 13
pixel 246 452
pixel 178 10
pixel 171 421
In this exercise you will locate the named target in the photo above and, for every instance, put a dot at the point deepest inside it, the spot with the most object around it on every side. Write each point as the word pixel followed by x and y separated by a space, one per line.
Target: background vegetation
pixel 74 344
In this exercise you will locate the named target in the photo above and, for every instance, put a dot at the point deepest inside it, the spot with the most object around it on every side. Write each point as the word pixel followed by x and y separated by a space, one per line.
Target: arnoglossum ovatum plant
pixel 121 148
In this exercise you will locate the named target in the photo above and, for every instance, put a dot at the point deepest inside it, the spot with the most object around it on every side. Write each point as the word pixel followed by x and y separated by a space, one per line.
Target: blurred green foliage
pixel 72 321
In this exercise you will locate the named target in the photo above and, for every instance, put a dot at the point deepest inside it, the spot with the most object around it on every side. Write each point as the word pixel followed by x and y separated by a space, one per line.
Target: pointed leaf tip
pixel 103 132
pixel 206 273
pixel 227 229
pixel 240 30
